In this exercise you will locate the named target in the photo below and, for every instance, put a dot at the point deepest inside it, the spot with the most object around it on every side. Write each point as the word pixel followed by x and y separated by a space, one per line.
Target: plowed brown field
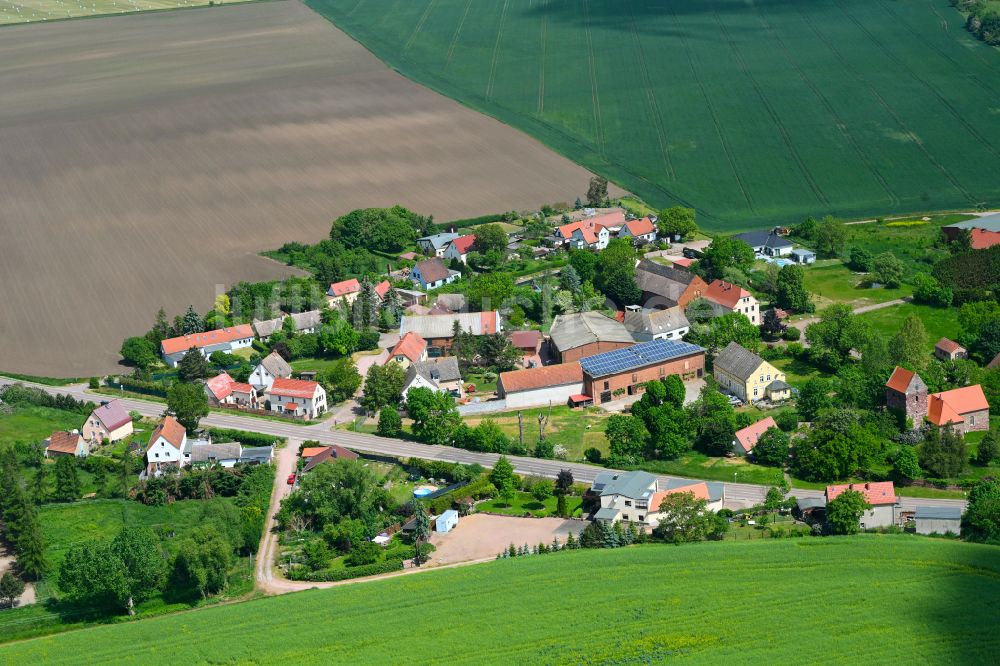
pixel 146 159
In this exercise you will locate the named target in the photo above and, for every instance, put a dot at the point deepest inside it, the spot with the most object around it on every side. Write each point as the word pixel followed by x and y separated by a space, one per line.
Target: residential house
pixel 880 495
pixel 906 393
pixel 625 372
pixel 644 324
pixel 207 454
pixel 938 520
pixel 166 449
pixel 432 273
pixel 110 422
pixel 745 374
pixel 984 231
pixel 439 330
pixel 635 497
pixel 949 350
pixel 345 291
pixel 585 234
pixel 437 374
pixel 683 263
pixel 803 256
pixel 747 438
pixel 62 443
pixel 223 339
pixel 224 390
pixel 529 343
pixel 726 297
pixel 547 385
pixel 435 246
pixel 317 455
pixel 409 297
pixel 459 248
pixel 296 397
pixel 573 336
pixel 666 286
pixel 271 367
pixel 766 243
pixel 965 409
pixel 257 455
pixel 640 231
pixel 302 322
pixel 411 348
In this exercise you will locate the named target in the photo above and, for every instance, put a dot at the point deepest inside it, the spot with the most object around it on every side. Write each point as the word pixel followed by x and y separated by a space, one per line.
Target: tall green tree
pixel 584 262
pixel 677 221
pixel 723 253
pixel 909 346
pixel 389 423
pixel 943 452
pixel 434 413
pixel 490 291
pixel 490 238
pixel 383 386
pixel 830 236
pixel 989 447
pixel 888 270
pixel 68 487
pixel 193 366
pixel 616 272
pixel 11 588
pixel 421 531
pixel 569 279
pixel 378 229
pixel 188 403
pixel 191 322
pixel 791 291
pixel 843 513
pixel 685 518
pixel 91 573
pixel 772 448
pixel 981 521
pixel 40 483
pixel 597 191
pixel 143 565
pixel 502 475
pixel 202 562
pixel 626 439
pixel 140 352
pixel 30 547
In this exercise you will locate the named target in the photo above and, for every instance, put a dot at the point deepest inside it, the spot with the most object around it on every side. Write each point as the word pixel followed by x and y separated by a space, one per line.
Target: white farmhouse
pixel 165 451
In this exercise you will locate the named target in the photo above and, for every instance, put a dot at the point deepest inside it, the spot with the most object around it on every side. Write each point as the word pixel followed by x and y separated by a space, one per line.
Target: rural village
pixel 407 412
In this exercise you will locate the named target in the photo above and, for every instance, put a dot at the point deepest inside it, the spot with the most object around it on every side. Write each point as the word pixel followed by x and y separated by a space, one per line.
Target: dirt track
pixel 146 159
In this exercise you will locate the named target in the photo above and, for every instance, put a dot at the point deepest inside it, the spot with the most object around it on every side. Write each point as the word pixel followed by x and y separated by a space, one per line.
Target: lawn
pixel 797 372
pixel 524 503
pixel 912 240
pixel 925 601
pixel 753 113
pixel 26 11
pixel 939 322
pixel 694 465
pixel 575 429
pixel 830 281
pixel 34 424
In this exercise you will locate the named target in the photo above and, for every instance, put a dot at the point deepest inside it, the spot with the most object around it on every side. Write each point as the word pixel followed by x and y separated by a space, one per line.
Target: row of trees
pixel 21 528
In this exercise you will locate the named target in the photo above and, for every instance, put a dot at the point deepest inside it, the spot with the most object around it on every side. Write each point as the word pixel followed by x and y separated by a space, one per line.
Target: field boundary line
pixel 889 110
pixel 715 118
pixel 541 66
pixel 841 125
pixel 789 144
pixel 419 26
pixel 944 102
pixel 454 37
pixel 496 52
pixel 654 107
pixel 595 96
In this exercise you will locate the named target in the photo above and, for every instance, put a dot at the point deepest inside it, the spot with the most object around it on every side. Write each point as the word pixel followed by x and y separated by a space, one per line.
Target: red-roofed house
pixel 296 397
pixel 345 290
pixel 165 450
pixel 880 495
pixel 109 422
pixel 382 288
pixel 411 348
pixel 460 248
pixel 221 339
pixel 748 437
pixel 727 297
pixel 66 444
pixel 906 393
pixel 964 408
pixel 682 262
pixel 983 239
pixel 592 233
pixel 640 231
pixel 949 350
pixel 699 489
pixel 551 384
pixel 321 454
pixel 224 390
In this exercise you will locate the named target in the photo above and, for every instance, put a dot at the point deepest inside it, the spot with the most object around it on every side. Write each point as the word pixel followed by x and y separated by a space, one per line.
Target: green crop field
pixel 867 599
pixel 29 11
pixel 751 112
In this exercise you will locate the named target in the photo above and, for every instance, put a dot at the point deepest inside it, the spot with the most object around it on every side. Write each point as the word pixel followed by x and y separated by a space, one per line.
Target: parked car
pixel 291 479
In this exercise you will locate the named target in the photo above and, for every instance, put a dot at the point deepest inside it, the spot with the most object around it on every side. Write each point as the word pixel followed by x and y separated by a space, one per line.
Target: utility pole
pixel 520 427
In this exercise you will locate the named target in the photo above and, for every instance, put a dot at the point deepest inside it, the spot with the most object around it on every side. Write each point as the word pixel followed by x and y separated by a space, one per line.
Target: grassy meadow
pixel 575 429
pixel 939 322
pixel 871 598
pixel 753 113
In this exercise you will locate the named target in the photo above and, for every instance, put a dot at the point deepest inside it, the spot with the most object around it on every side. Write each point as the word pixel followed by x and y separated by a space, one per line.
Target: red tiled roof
pixel 464 243
pixel 535 378
pixel 328 452
pixel 699 490
pixel 640 227
pixel 875 492
pixel 615 218
pixel 311 451
pixel 949 346
pixel 344 287
pixel 590 227
pixel 171 430
pixel 900 379
pixel 748 437
pixel 949 406
pixel 382 288
pixel 293 388
pixel 64 442
pixel 984 238
pixel 411 345
pixel 725 293
pixel 526 339
pixel 199 340
pixel 683 262
pixel 488 321
pixel 220 386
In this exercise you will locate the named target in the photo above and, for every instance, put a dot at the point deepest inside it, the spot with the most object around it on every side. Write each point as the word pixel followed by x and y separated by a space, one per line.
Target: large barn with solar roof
pixel 624 372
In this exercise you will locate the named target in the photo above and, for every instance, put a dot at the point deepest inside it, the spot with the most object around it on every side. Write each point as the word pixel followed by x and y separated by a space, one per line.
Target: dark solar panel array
pixel 636 356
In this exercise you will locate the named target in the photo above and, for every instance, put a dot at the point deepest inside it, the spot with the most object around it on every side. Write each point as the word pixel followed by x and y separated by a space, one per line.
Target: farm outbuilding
pixel 938 520
pixel 446 521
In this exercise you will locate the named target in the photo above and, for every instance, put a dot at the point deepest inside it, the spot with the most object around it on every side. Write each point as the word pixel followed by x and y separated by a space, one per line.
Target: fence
pixel 261 412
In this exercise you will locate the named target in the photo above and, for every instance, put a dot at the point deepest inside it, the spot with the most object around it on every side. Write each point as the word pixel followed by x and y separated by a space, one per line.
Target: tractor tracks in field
pixel 541 66
pixel 654 107
pixel 419 26
pixel 595 95
pixel 496 51
pixel 454 37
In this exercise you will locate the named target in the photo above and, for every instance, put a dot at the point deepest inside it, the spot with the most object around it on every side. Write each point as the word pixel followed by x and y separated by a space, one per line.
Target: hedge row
pixel 387 566
pixel 243 437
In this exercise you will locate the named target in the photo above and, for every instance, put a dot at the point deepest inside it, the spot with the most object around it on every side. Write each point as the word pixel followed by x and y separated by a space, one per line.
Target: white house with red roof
pixel 635 497
pixel 345 290
pixel 593 233
pixel 640 231
pixel 432 273
pixel 726 297
pixel 296 397
pixel 949 350
pixel 459 248
pixel 226 339
pixel 109 422
pixel 64 443
pixel 411 348
pixel 166 448
pixel 224 390
pixel 880 495
pixel 747 438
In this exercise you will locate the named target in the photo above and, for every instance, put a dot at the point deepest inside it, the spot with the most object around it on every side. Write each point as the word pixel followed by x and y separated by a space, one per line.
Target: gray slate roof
pixel 802 252
pixel 216 452
pixel 583 328
pixel 606 513
pixel 810 503
pixel 635 485
pixel 988 222
pixel 664 281
pixel 276 365
pixel 261 453
pixel 777 385
pixel 438 241
pixel 738 361
pixel 435 370
pixel 303 321
pixel 655 322
pixel 939 512
pixel 763 238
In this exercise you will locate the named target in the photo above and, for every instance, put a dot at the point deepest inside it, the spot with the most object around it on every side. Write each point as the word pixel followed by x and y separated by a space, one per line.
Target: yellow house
pixel 749 377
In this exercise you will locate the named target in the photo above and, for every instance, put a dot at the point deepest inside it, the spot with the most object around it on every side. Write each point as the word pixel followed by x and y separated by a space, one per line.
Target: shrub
pixel 791 333
pixel 787 420
pixel 592 455
pixel 795 349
